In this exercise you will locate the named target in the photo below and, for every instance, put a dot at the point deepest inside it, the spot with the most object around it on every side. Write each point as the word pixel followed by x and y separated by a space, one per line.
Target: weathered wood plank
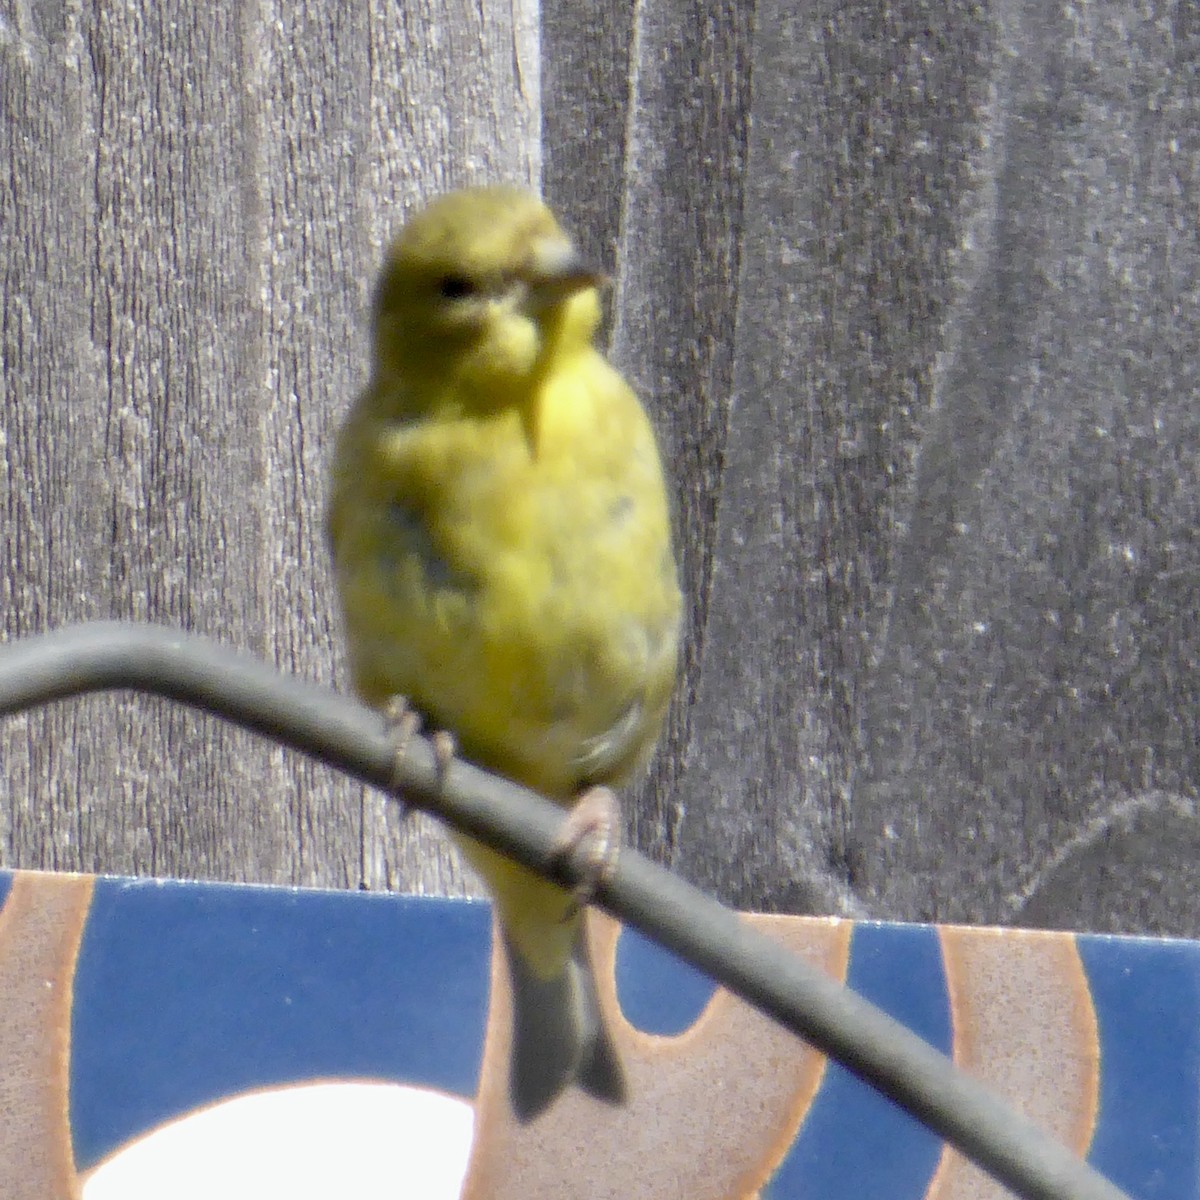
pixel 911 289
pixel 198 202
pixel 1031 729
pixel 854 173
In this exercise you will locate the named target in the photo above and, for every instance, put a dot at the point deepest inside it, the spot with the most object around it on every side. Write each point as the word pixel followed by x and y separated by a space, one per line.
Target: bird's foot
pixel 444 749
pixel 403 723
pixel 591 839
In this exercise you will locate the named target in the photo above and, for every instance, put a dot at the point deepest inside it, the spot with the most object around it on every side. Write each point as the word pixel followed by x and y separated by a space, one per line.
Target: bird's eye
pixel 455 287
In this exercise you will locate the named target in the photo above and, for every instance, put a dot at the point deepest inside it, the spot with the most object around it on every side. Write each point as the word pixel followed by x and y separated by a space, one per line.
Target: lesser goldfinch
pixel 501 538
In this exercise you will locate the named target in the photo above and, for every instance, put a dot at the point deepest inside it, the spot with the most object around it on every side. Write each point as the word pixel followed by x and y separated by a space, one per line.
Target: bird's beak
pixel 556 270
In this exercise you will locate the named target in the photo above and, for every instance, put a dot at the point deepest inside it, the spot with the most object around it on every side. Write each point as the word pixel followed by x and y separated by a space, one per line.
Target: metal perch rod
pixel 111 655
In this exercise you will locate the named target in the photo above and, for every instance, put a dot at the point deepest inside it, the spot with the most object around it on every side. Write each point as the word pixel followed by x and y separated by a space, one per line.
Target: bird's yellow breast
pixel 511 572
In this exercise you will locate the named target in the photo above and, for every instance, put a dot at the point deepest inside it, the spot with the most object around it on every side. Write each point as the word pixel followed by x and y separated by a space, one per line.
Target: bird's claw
pixel 591 839
pixel 444 749
pixel 403 724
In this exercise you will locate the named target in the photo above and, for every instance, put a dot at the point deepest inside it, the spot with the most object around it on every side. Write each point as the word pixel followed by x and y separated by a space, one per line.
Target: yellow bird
pixel 502 545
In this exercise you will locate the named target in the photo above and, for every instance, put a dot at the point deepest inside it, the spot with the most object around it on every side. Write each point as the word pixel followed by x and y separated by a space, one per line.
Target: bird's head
pixel 480 290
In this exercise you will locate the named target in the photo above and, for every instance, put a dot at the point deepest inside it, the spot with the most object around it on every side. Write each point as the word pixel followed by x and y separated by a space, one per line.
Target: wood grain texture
pixel 911 291
pixel 1039 679
pixel 196 204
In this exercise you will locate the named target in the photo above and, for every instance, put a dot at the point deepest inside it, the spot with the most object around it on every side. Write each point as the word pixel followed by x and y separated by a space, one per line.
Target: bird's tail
pixel 558 1036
